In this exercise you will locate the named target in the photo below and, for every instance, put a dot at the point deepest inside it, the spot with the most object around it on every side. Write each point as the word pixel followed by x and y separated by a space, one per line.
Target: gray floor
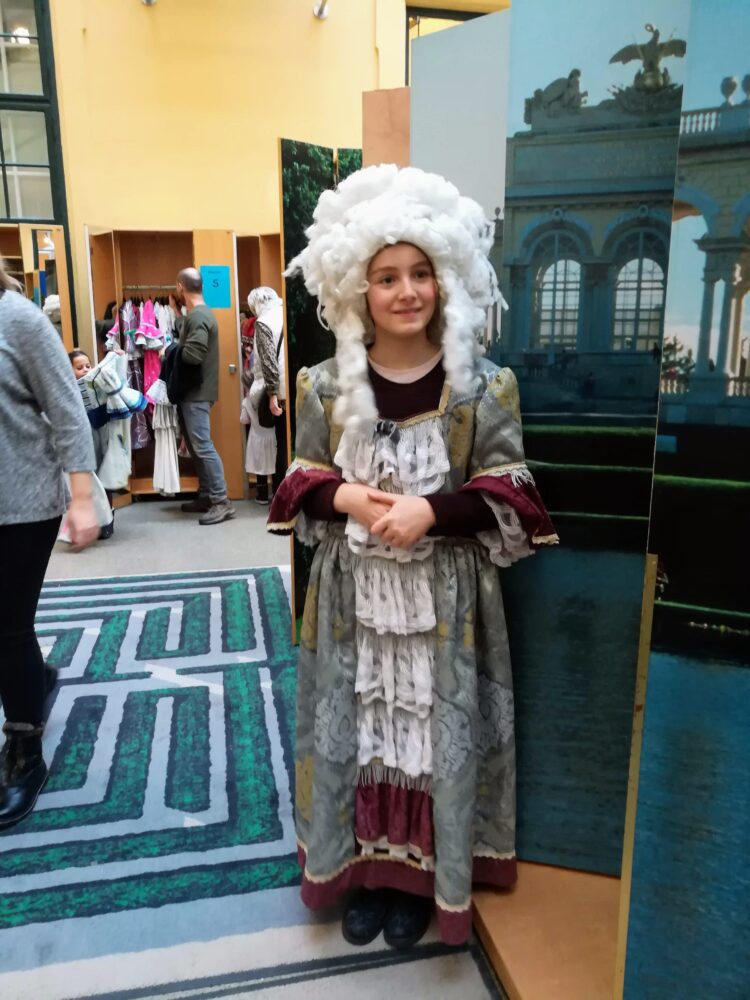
pixel 152 536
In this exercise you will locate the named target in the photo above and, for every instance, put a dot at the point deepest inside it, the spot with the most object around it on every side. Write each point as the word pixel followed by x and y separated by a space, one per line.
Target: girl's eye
pixel 386 279
pixel 423 274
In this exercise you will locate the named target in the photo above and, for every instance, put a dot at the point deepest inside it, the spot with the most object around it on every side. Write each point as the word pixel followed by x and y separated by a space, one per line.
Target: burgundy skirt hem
pixel 383 873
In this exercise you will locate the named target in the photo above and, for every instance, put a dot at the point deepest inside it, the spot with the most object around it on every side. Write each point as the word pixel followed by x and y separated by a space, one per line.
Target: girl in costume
pixel 409 476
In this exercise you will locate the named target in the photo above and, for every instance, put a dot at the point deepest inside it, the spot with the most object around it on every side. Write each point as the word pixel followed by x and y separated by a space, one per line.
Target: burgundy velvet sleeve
pixel 318 503
pixel 460 514
pixel 526 502
pixel 289 498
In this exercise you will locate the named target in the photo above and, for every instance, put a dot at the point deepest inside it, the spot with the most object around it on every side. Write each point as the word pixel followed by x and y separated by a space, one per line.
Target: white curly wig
pixel 377 207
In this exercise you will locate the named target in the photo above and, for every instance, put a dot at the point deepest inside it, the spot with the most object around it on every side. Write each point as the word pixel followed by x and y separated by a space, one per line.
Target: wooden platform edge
pixel 636 743
pixel 496 960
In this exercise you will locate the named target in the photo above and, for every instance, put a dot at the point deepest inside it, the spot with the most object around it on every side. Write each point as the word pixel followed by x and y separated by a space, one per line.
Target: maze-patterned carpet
pixel 161 860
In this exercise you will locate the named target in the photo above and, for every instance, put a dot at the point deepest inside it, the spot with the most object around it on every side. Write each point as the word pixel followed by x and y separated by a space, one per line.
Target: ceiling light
pixel 21 36
pixel 320 10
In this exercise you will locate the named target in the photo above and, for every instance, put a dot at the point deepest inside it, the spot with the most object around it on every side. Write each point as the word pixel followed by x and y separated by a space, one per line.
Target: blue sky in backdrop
pixel 549 38
pixel 718 46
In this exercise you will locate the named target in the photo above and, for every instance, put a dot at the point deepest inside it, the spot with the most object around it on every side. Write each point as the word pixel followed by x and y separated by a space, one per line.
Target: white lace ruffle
pixel 508 542
pixel 413 457
pixel 308 530
pixel 399 738
pixel 396 669
pixel 395 654
pixel 394 597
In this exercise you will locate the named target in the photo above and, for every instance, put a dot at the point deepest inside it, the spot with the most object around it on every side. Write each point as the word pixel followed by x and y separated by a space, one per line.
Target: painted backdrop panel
pixel 581 252
pixel 306 171
pixel 689 924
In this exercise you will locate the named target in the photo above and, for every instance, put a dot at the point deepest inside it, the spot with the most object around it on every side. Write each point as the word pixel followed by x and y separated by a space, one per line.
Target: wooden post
pixel 290 389
pixel 217 246
pixel 641 680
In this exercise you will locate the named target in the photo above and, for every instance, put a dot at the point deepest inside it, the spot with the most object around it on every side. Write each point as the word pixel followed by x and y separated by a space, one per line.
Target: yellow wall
pixel 170 114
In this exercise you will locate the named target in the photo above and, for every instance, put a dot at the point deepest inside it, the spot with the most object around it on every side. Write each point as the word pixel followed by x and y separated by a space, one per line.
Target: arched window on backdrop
pixel 639 292
pixel 557 292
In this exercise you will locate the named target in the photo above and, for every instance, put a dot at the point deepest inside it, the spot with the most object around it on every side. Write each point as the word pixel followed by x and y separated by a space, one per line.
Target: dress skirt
pixel 361 821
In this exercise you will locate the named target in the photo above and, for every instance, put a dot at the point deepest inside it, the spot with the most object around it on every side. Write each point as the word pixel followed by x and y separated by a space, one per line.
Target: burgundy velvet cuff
pixel 288 501
pixel 460 514
pixel 526 502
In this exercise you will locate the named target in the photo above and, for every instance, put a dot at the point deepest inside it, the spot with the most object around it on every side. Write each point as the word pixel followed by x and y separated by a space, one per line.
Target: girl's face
pixel 403 292
pixel 81 365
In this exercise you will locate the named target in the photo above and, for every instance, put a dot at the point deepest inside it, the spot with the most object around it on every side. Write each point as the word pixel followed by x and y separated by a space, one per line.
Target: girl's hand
pixel 407 520
pixel 364 504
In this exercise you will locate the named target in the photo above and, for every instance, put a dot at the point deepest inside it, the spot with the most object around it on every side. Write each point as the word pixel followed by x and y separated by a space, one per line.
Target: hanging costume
pixel 166 431
pixel 268 308
pixel 405 752
pixel 107 384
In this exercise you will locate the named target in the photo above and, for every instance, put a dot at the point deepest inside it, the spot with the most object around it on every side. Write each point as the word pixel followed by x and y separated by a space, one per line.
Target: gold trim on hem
pixel 451 908
pixel 495 855
pixel 320 879
pixel 357 859
pixel 546 540
pixel 385 845
pixel 283 525
pixel 495 469
pixel 313 465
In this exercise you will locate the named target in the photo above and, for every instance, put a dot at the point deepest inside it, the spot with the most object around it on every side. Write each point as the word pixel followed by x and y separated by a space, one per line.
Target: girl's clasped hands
pixel 396 519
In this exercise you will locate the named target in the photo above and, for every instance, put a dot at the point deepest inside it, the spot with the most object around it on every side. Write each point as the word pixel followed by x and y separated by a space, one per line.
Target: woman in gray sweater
pixel 44 432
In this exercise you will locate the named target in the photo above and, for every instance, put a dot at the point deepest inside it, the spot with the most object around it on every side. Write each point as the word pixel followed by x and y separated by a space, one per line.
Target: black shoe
pixel 197 506
pixel 261 492
pixel 24 773
pixel 107 531
pixel 365 915
pixel 407 921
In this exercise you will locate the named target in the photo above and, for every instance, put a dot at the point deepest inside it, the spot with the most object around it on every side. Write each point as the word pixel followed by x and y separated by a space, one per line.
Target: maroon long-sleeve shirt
pixel 462 514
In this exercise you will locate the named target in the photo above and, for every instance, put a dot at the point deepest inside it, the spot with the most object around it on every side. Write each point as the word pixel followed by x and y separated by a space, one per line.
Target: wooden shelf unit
pixel 122 258
pixel 27 265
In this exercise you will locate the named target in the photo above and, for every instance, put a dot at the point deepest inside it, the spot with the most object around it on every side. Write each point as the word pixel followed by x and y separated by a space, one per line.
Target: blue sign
pixel 216 289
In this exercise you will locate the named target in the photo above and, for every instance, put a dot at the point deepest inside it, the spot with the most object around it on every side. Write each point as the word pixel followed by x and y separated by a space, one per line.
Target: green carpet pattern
pixel 170 742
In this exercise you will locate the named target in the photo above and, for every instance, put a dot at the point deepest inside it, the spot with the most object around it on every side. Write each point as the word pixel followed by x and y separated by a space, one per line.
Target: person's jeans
pixel 24 553
pixel 196 426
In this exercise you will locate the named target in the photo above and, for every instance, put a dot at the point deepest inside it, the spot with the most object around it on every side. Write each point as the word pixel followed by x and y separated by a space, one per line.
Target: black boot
pixel 24 772
pixel 365 915
pixel 407 921
pixel 261 490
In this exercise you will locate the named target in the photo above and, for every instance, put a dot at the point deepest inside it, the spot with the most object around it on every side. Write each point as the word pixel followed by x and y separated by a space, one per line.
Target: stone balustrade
pixel 674 385
pixel 700 121
pixel 739 387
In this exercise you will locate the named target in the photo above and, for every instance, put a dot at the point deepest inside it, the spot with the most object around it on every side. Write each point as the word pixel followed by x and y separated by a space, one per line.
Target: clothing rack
pixel 145 288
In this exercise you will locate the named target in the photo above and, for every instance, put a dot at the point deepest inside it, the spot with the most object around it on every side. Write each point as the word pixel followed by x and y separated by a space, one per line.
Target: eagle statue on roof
pixel 651 77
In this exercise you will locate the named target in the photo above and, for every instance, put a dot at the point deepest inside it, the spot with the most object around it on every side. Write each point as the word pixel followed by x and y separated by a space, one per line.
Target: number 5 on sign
pixel 216 290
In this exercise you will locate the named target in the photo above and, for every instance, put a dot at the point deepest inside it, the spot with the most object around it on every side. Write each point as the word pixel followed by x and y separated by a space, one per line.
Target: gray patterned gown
pixel 405 753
